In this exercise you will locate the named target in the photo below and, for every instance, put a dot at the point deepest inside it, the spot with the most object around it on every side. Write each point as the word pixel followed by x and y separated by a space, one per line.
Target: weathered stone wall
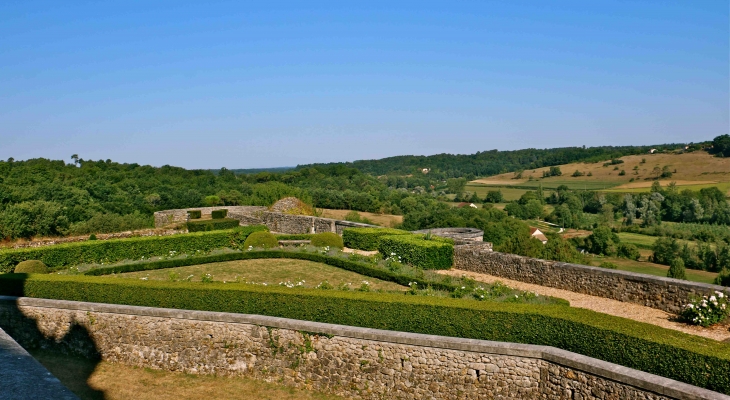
pixel 460 235
pixel 652 291
pixel 348 361
pixel 167 217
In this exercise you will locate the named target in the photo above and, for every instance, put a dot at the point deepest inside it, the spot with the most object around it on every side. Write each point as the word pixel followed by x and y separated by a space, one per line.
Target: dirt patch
pixel 616 308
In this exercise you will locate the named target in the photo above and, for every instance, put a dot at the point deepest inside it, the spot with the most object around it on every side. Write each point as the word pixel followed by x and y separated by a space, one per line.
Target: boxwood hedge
pixel 219 214
pixel 367 238
pixel 434 253
pixel 98 251
pixel 194 214
pixel 212 224
pixel 695 360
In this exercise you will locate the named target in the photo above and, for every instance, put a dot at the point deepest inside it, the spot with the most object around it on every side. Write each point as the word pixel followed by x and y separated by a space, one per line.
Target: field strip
pixel 647 184
pixel 607 306
pixel 506 182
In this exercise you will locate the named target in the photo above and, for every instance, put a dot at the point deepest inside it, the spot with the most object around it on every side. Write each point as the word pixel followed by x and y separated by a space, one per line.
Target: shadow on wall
pixel 71 356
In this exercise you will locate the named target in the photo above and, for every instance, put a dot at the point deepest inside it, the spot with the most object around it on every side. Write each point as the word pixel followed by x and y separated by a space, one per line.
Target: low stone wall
pixel 460 235
pixel 343 360
pixel 652 291
pixel 167 217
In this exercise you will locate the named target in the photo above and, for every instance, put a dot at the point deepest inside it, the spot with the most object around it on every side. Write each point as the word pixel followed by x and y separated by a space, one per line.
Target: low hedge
pixel 212 225
pixel 31 267
pixel 435 253
pixel 695 360
pixel 264 240
pixel 98 251
pixel 219 214
pixel 194 214
pixel 367 238
pixel 327 239
pixel 354 266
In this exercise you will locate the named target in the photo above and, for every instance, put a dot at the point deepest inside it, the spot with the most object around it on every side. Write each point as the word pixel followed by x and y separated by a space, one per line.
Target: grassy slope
pixel 387 220
pixel 270 271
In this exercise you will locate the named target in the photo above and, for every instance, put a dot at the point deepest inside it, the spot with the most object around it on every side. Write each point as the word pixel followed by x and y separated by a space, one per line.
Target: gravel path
pixel 606 306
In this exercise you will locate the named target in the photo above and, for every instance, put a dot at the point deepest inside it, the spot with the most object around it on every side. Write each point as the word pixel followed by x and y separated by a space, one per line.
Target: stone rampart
pixel 343 360
pixel 652 291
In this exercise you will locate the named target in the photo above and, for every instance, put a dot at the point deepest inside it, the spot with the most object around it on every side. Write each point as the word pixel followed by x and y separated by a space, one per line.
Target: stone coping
pixel 628 275
pixel 618 373
pixel 22 377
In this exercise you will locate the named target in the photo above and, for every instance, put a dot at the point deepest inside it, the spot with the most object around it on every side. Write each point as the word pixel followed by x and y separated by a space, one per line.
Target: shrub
pixel 212 225
pixel 264 240
pixel 608 265
pixel 98 251
pixel 194 214
pixel 367 238
pixel 676 269
pixel 437 253
pixel 219 214
pixel 627 250
pixel 723 278
pixel 706 311
pixel 327 239
pixel 92 237
pixel 691 359
pixel 31 267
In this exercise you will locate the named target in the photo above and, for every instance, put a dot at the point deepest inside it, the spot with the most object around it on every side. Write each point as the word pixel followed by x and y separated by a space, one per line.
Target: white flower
pixel 720 294
pixel 713 298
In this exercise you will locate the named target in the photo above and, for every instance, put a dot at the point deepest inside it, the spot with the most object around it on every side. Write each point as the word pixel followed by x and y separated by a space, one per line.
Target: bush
pixel 676 269
pixel 691 359
pixel 608 265
pixel 212 225
pixel 264 240
pixel 194 214
pixel 107 251
pixel 110 222
pixel 92 237
pixel 723 278
pixel 707 310
pixel 219 214
pixel 627 250
pixel 367 238
pixel 327 239
pixel 437 253
pixel 31 267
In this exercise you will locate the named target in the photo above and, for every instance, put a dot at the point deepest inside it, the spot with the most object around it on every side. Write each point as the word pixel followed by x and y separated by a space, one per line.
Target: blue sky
pixel 244 85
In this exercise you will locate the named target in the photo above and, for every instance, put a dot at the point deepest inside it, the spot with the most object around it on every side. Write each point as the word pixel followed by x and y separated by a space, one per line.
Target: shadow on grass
pixel 72 357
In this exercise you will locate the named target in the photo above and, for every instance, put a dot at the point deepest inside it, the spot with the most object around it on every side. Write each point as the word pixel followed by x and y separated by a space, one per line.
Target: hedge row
pixel 435 253
pixel 212 225
pixel 194 214
pixel 98 251
pixel 354 266
pixel 698 361
pixel 367 238
pixel 219 214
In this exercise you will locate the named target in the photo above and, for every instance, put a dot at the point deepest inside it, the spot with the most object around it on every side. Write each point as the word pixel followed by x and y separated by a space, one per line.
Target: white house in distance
pixel 534 232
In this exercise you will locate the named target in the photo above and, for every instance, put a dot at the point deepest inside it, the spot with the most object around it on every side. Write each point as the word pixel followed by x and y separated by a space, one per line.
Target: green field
pixel 723 186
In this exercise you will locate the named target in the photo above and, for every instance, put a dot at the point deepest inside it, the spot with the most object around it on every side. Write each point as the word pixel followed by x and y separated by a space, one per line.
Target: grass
pixel 387 220
pixel 93 380
pixel 269 271
pixel 645 267
pixel 637 239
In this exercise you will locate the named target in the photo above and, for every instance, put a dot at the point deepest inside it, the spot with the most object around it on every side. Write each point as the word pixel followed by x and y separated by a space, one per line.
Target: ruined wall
pixel 167 217
pixel 347 361
pixel 652 291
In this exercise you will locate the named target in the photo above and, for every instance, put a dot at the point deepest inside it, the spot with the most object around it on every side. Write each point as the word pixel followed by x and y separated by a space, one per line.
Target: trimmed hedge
pixel 219 214
pixel 261 239
pixel 212 225
pixel 695 360
pixel 31 267
pixel 98 251
pixel 367 238
pixel 325 239
pixel 436 253
pixel 194 214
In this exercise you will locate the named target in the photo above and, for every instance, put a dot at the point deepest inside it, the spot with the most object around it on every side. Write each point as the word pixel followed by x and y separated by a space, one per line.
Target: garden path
pixel 617 308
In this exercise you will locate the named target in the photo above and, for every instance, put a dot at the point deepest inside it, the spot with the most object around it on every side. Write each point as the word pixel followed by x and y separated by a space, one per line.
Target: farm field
pixel 269 271
pixel 644 267
pixel 694 171
pixel 92 380
pixel 387 220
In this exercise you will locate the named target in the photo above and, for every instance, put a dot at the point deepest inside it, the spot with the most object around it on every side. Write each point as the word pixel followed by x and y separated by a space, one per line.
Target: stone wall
pixel 460 235
pixel 652 291
pixel 167 217
pixel 343 360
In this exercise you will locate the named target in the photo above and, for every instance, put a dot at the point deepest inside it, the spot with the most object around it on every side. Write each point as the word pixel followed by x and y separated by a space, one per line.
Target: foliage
pixel 31 267
pixel 707 310
pixel 556 249
pixel 603 241
pixel 194 214
pixel 113 250
pixel 494 196
pixel 92 237
pixel 676 269
pixel 327 239
pixel 110 222
pixel 212 224
pixel 723 278
pixel 437 253
pixel 694 360
pixel 219 214
pixel 721 146
pixel 367 238
pixel 627 250
pixel 354 216
pixel 261 239
pixel 608 265
pixel 665 250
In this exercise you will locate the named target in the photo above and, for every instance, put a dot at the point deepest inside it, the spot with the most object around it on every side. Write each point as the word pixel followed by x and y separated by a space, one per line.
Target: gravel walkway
pixel 606 306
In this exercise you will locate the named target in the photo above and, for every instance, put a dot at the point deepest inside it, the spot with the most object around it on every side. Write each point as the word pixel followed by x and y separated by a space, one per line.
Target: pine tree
pixel 676 269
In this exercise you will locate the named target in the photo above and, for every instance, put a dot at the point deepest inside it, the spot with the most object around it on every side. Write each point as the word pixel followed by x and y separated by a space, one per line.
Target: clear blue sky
pixel 243 84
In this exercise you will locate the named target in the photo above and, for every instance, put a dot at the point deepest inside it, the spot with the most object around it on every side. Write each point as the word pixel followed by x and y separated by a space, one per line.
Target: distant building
pixel 652 151
pixel 534 232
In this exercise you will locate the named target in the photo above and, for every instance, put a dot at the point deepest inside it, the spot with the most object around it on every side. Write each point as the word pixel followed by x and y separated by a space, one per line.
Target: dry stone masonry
pixel 348 361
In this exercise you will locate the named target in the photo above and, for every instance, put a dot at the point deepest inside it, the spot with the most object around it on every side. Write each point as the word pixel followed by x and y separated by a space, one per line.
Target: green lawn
pixel 637 239
pixel 269 271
